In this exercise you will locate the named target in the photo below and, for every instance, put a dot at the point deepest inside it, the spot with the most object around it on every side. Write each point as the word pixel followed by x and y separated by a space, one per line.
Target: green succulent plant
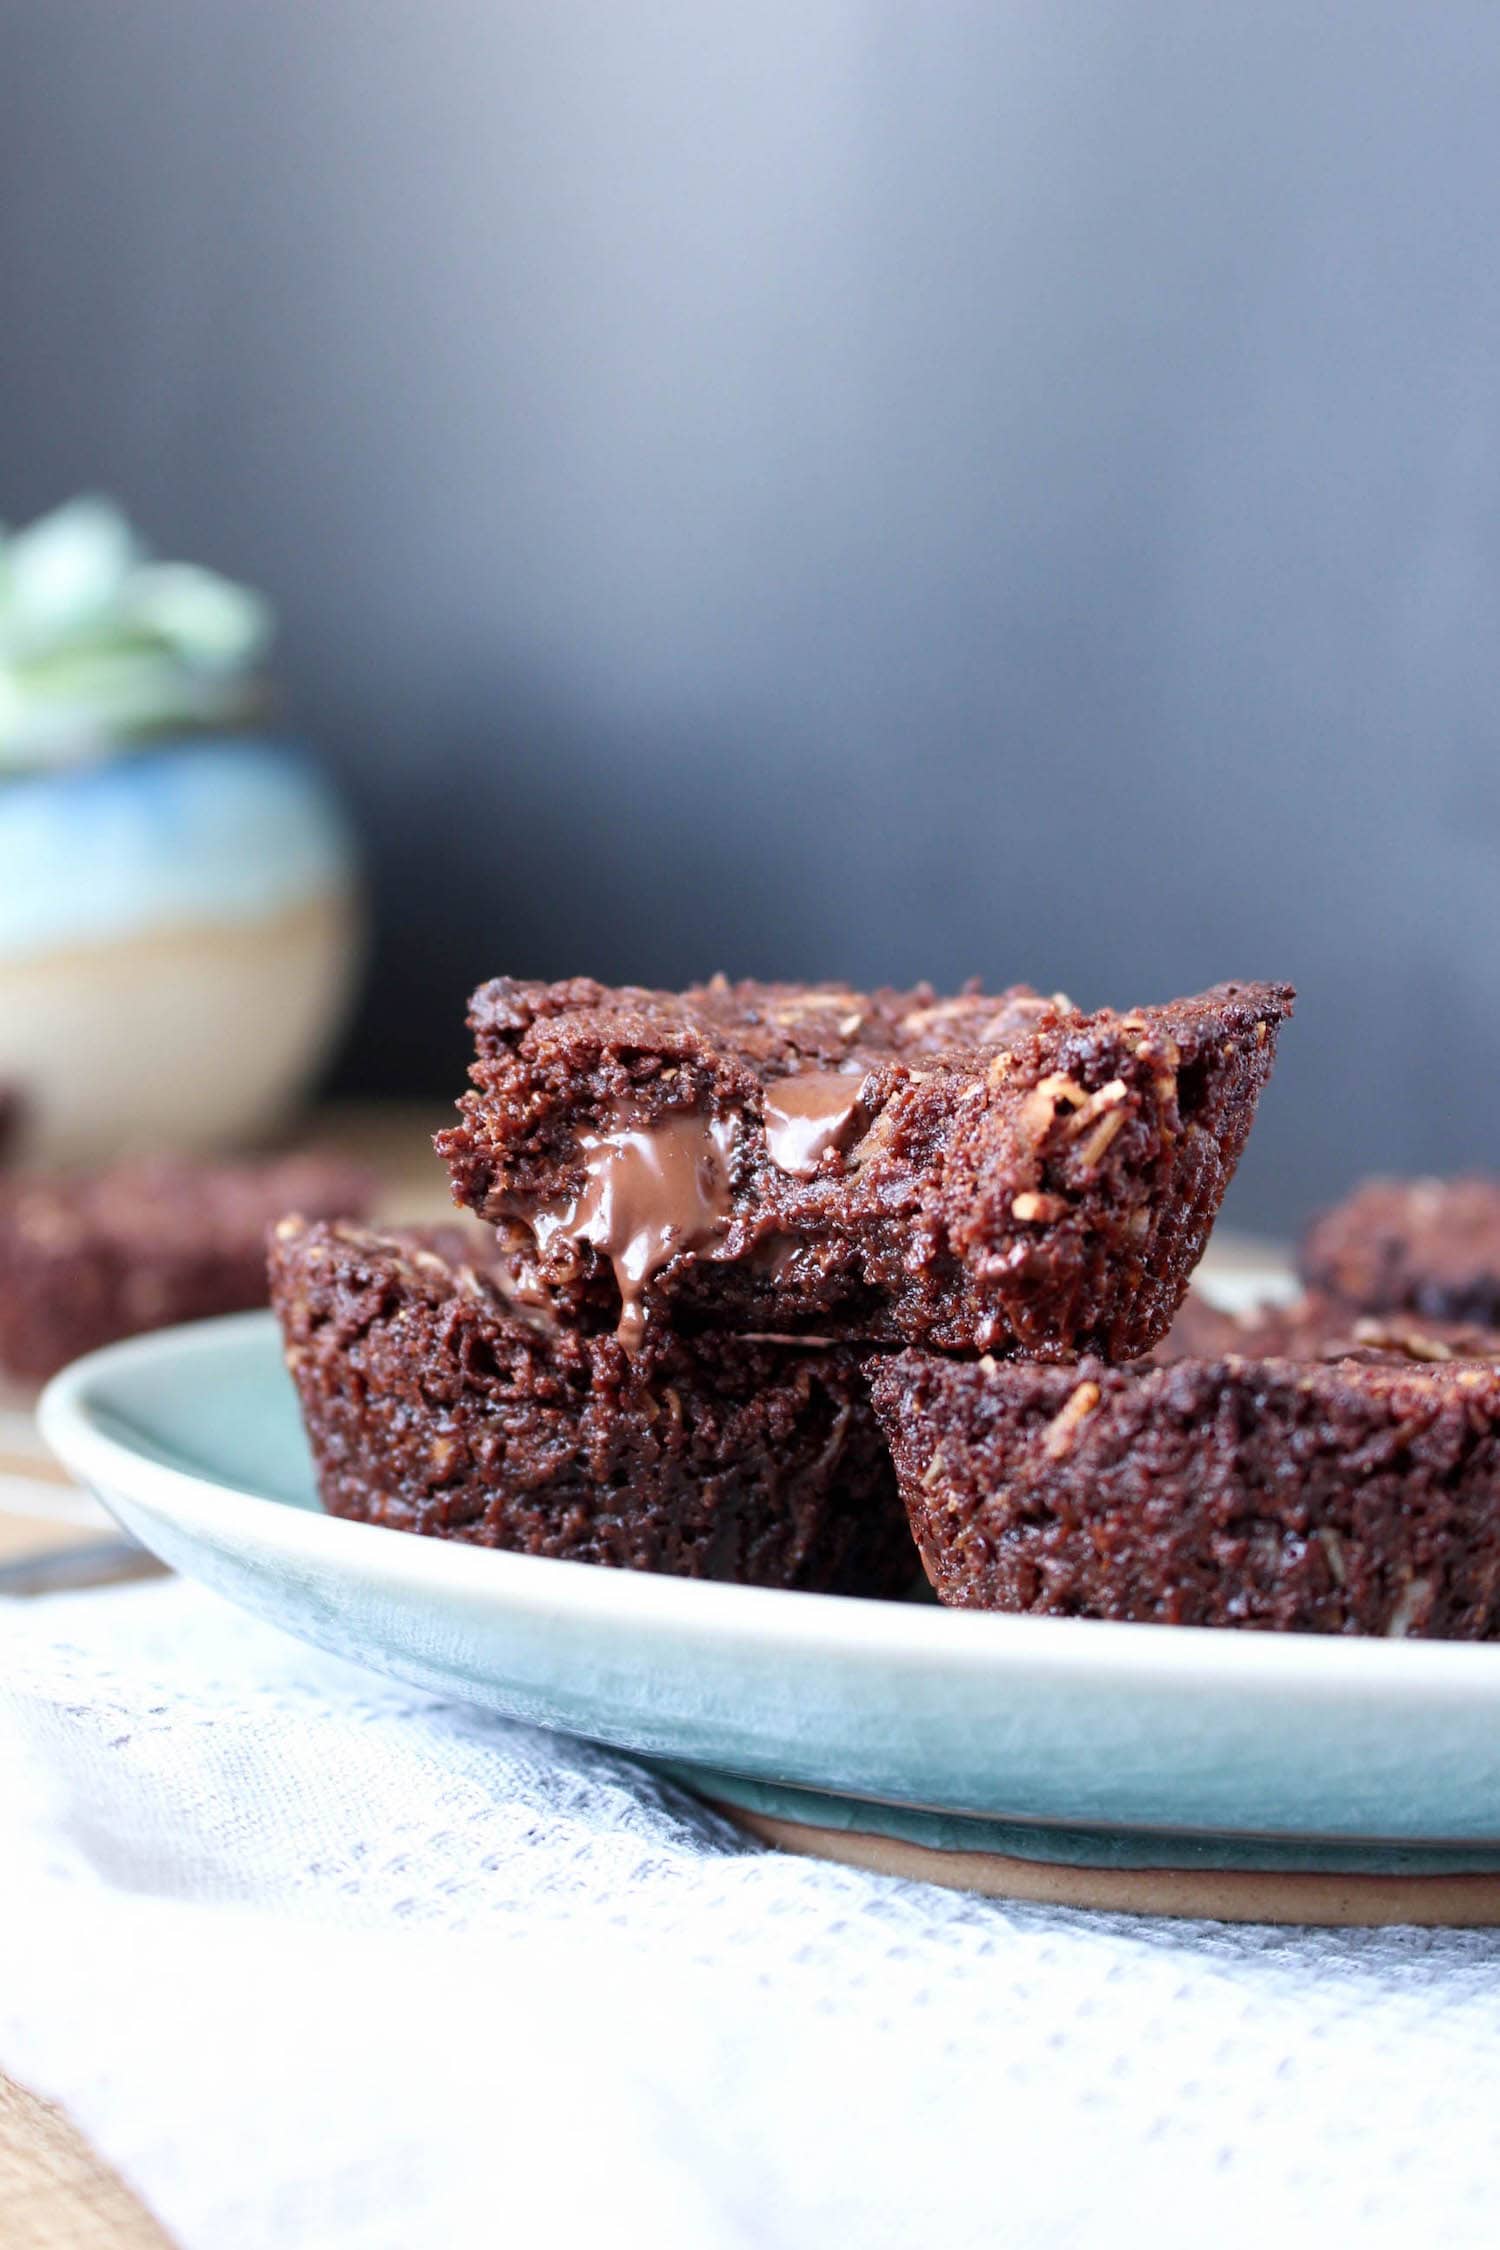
pixel 101 645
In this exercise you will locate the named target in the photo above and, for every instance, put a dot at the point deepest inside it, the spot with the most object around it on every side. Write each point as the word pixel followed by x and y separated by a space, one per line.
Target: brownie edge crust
pixel 984 1173
pixel 433 1404
pixel 1359 1495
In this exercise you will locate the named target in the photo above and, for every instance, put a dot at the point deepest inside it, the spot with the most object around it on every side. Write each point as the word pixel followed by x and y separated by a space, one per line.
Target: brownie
pixel 86 1258
pixel 1317 1327
pixel 1423 1246
pixel 435 1403
pixel 1204 1330
pixel 10 1122
pixel 989 1172
pixel 1353 1495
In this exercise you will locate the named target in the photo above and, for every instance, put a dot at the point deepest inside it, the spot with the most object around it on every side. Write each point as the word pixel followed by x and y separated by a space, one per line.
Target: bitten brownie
pixel 86 1258
pixel 1423 1246
pixel 1356 1495
pixel 989 1172
pixel 434 1404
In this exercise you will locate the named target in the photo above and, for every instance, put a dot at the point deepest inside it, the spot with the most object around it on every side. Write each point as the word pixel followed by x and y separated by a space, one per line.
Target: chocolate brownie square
pixel 1314 1326
pixel 1359 1494
pixel 86 1258
pixel 989 1172
pixel 435 1403
pixel 1430 1247
pixel 10 1122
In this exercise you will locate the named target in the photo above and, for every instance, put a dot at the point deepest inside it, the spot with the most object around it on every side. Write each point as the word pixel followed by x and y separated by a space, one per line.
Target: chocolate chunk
pixel 650 1191
pixel 810 1116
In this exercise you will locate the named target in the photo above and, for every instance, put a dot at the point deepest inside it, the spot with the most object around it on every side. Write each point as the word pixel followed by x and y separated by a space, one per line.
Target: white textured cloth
pixel 316 1960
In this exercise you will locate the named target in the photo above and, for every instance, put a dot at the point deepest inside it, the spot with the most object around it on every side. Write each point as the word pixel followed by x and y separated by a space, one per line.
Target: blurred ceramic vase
pixel 179 916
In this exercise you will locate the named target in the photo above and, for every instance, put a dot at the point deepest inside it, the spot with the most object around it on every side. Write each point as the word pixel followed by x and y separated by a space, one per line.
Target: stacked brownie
pixel 716 1215
pixel 984 1173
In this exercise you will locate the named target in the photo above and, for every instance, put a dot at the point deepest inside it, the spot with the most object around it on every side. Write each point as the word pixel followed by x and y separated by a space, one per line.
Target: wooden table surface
pixel 55 2194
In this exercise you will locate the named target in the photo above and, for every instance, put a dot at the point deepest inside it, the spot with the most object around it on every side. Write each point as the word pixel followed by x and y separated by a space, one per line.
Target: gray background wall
pixel 830 486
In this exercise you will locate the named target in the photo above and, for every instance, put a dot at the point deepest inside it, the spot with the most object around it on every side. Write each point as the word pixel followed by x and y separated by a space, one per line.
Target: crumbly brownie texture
pixel 1422 1246
pixel 433 1404
pixel 88 1258
pixel 990 1172
pixel 1318 1327
pixel 1360 1495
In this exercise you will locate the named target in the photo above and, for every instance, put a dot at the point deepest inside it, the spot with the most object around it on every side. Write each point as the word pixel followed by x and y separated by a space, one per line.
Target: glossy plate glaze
pixel 1051 1742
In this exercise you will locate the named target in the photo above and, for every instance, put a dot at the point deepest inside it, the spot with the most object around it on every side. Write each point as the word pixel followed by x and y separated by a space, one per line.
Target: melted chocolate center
pixel 808 1115
pixel 648 1192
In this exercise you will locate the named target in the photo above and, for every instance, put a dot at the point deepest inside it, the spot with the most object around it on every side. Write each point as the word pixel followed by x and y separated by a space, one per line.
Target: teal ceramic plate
pixel 1046 1739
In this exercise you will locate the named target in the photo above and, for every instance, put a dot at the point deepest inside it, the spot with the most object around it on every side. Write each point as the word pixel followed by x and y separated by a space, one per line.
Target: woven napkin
pixel 313 1958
